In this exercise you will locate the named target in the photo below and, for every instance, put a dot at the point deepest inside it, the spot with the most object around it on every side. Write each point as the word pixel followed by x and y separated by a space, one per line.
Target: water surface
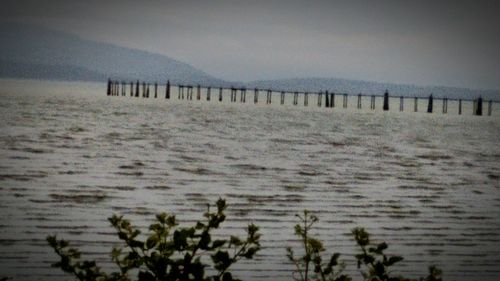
pixel 70 157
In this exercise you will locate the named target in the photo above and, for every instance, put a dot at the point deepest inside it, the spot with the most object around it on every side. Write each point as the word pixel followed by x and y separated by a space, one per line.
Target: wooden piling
pixel 233 94
pixel 359 101
pixel 445 105
pixel 332 100
pixel 269 96
pixel 320 94
pixel 295 98
pixel 306 97
pixel 156 90
pixel 327 99
pixel 131 89
pixel 255 95
pixel 198 92
pixel 401 103
pixel 490 105
pixel 108 91
pixel 282 100
pixel 180 91
pixel 386 101
pixel 190 92
pixel 123 88
pixel 459 107
pixel 147 91
pixel 345 100
pixel 209 89
pixel 167 90
pixel 220 94
pixel 243 95
pixel 137 89
pixel 479 109
pixel 372 102
pixel 430 105
pixel 415 105
pixel 143 89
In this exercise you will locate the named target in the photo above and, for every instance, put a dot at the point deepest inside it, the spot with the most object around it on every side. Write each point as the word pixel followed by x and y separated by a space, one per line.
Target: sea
pixel 71 156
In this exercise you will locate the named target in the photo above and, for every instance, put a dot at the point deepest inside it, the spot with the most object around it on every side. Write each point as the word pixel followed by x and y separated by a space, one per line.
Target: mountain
pixel 29 51
pixel 335 85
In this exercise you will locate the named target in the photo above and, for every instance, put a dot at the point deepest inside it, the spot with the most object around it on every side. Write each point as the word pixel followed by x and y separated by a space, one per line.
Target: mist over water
pixel 428 184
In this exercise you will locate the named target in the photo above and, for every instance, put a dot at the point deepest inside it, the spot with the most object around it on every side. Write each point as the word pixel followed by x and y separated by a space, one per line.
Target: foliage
pixel 168 253
pixel 378 264
pixel 313 248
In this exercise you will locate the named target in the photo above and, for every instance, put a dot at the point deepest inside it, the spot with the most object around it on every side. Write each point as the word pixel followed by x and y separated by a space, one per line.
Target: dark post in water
pixel 255 95
pixel 401 103
pixel 167 90
pixel 327 101
pixel 156 90
pixel 429 106
pixel 243 95
pixel 386 101
pixel 479 108
pixel 415 106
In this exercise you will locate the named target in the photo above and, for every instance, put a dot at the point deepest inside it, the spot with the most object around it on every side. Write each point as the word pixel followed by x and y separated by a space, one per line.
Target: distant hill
pixel 29 51
pixel 366 87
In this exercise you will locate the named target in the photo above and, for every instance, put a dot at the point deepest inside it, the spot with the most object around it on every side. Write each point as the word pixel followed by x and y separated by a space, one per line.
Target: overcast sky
pixel 418 42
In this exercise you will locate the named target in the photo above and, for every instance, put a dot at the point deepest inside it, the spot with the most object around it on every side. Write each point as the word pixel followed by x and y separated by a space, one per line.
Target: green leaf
pixel 146 276
pixel 234 240
pixel 152 241
pixel 251 252
pixel 334 259
pixel 180 240
pixel 218 243
pixel 227 276
pixel 221 260
pixel 393 260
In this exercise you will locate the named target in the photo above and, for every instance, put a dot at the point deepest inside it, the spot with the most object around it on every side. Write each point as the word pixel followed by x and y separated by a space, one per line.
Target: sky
pixel 443 43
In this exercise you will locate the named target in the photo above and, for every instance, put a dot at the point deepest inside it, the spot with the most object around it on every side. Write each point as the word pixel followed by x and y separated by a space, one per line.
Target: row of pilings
pixel 142 89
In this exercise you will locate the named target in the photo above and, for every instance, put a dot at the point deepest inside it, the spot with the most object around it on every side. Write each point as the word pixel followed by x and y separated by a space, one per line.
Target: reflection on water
pixel 71 157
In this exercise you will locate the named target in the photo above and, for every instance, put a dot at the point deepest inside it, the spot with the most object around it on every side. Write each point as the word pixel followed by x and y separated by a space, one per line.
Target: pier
pixel 123 88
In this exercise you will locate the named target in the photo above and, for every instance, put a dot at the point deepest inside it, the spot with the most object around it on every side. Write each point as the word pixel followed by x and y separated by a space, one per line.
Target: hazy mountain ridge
pixel 36 52
pixel 337 85
pixel 29 49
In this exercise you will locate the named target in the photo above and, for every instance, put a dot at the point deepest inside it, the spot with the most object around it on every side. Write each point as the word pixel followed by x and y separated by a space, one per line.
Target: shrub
pixel 312 259
pixel 168 253
pixel 378 264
